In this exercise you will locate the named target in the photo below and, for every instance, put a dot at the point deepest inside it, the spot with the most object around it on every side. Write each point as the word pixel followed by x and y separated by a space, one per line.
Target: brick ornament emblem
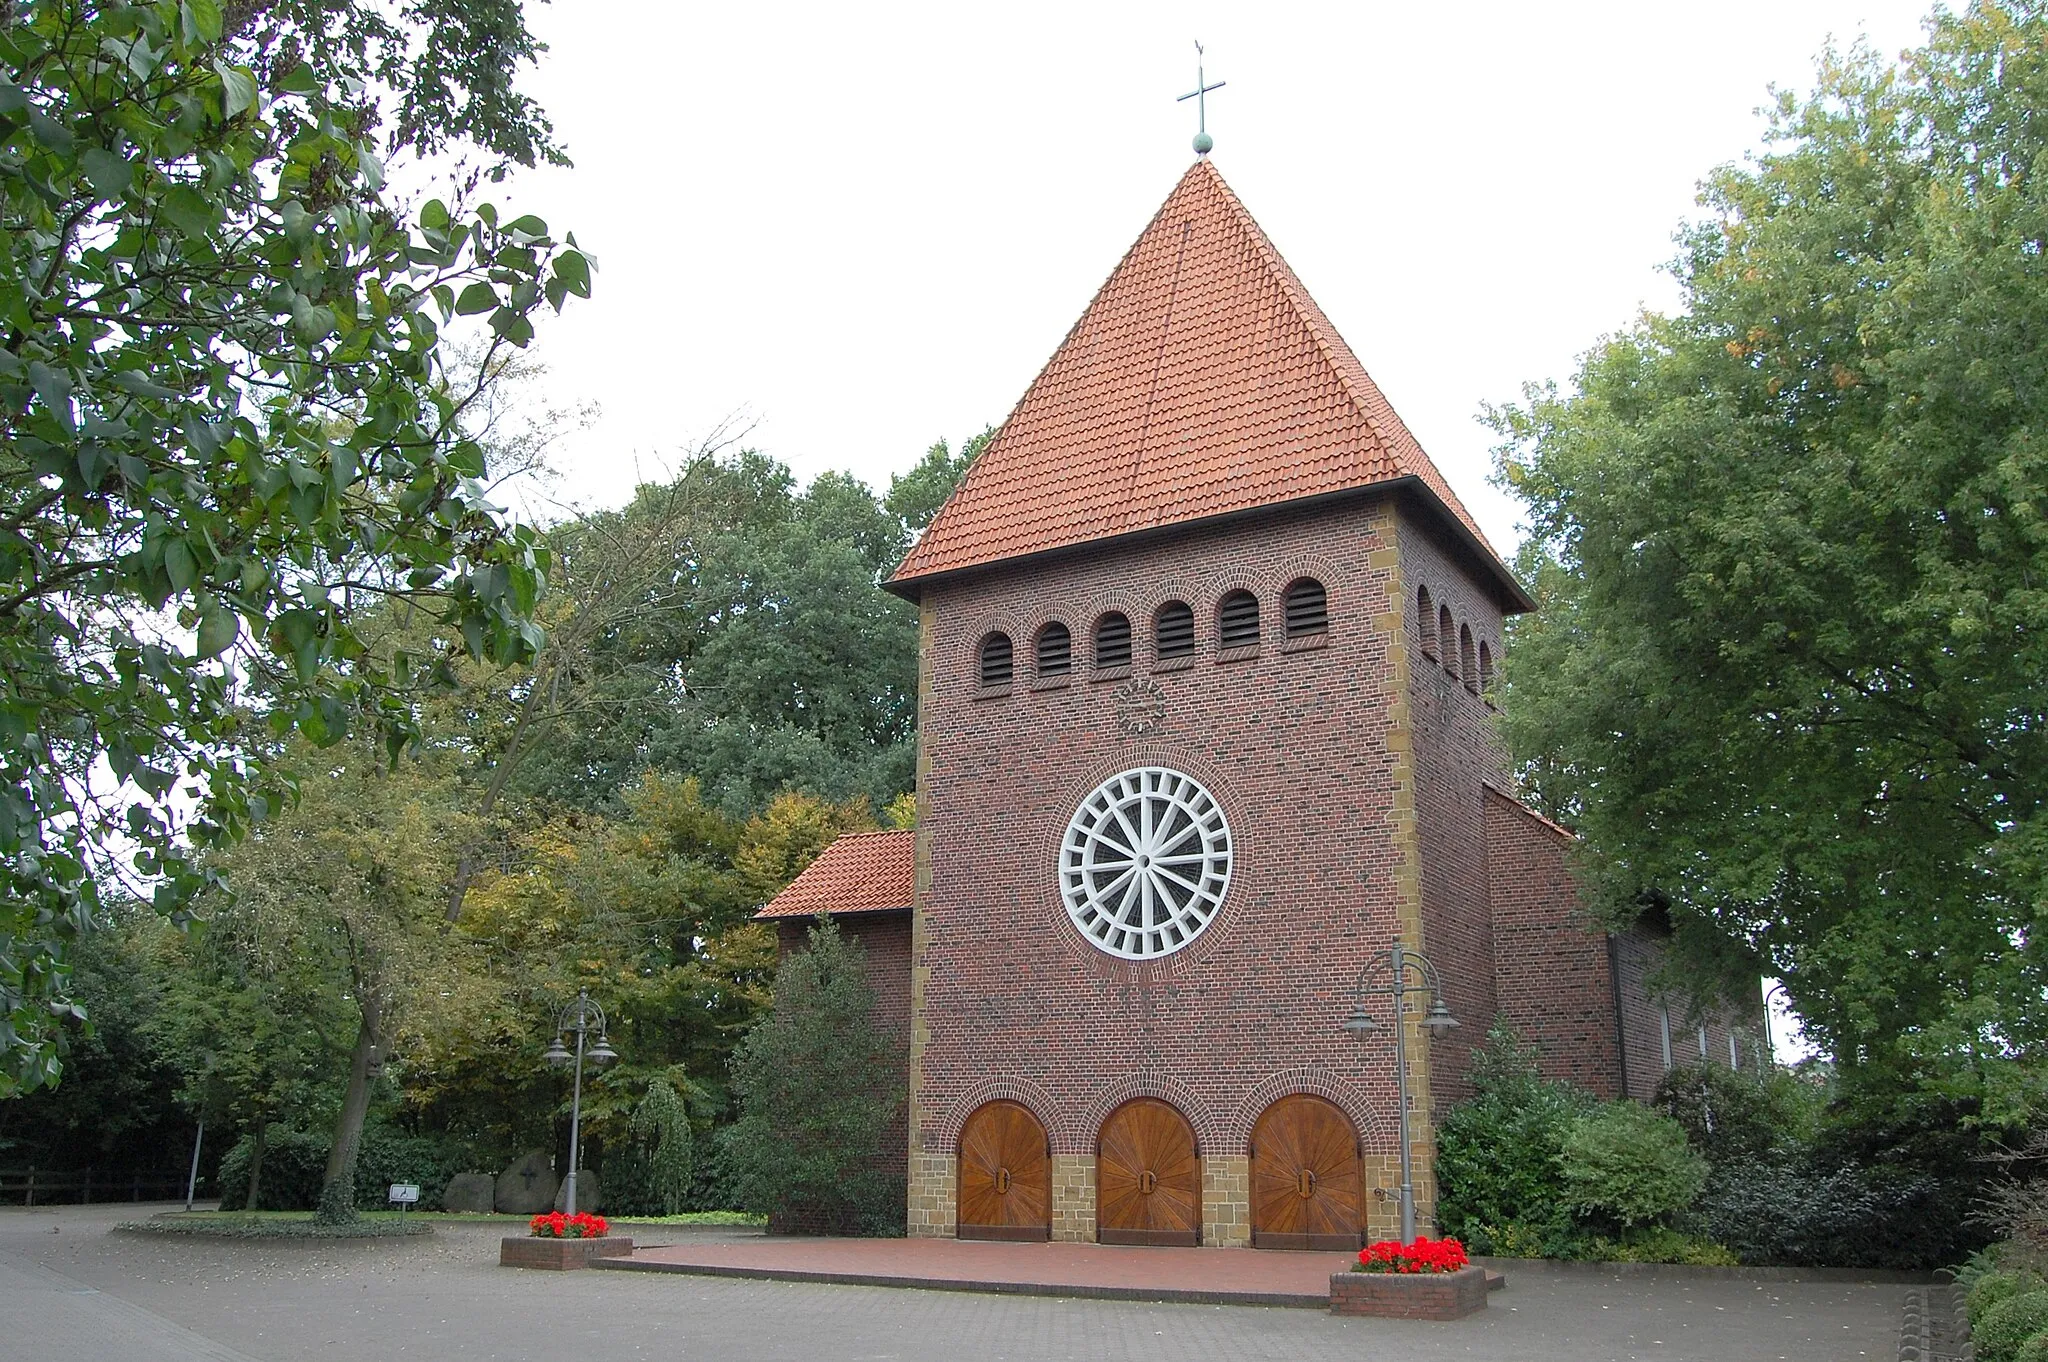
pixel 1140 708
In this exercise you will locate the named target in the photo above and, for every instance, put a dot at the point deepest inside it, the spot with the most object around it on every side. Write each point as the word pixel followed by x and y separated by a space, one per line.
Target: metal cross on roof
pixel 1204 143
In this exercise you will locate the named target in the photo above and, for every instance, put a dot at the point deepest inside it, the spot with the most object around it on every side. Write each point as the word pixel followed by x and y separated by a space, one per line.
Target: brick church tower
pixel 1206 651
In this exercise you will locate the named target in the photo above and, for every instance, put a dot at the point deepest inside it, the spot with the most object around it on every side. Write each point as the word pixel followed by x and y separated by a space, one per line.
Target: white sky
pixel 867 227
pixel 864 228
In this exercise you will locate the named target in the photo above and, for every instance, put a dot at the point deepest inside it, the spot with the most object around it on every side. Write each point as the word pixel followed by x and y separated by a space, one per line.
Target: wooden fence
pixel 31 1187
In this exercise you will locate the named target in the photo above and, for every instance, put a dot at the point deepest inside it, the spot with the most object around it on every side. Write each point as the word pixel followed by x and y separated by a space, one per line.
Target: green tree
pixel 116 1108
pixel 817 1088
pixel 348 884
pixel 916 494
pixel 649 911
pixel 754 650
pixel 1790 544
pixel 661 1124
pixel 226 425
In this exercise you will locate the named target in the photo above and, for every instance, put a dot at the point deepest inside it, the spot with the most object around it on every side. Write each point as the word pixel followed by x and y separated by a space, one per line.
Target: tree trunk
pixel 250 1202
pixel 338 1188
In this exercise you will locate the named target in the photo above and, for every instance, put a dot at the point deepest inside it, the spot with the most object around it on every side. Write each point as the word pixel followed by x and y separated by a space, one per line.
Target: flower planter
pixel 1409 1295
pixel 560 1255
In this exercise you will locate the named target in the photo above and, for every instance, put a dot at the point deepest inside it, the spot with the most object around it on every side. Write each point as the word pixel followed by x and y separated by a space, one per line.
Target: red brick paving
pixel 1101 1271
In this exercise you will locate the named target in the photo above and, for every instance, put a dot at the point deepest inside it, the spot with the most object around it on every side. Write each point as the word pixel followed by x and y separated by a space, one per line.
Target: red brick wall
pixel 885 939
pixel 1457 750
pixel 1640 951
pixel 1291 741
pixel 1551 969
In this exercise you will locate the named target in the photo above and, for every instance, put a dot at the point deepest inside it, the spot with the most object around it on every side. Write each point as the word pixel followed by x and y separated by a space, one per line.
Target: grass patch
pixel 380 1224
pixel 277 1225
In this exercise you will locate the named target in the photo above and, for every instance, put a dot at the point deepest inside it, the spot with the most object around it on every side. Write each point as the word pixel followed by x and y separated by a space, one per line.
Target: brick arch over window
pixel 1173 630
pixel 1113 639
pixel 1077 1136
pixel 1237 620
pixel 944 1131
pixel 995 659
pixel 1425 615
pixel 1305 608
pixel 1236 1135
pixel 1055 649
pixel 1447 639
pixel 1467 666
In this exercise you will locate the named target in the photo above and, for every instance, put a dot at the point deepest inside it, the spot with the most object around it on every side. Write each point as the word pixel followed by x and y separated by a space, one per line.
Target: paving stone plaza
pixel 70 1291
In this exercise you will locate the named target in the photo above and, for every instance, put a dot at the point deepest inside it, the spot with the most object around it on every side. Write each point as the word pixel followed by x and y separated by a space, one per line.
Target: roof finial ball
pixel 1204 143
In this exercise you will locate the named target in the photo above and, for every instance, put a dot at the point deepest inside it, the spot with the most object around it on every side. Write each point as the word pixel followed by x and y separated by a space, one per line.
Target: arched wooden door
pixel 1306 1185
pixel 1148 1182
pixel 1005 1175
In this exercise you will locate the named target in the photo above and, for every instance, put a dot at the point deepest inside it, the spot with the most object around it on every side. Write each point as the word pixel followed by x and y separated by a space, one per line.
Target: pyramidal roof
pixel 1202 381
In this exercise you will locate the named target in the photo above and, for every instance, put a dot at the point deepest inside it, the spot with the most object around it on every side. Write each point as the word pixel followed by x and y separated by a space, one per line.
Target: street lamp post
pixel 1398 963
pixel 583 1017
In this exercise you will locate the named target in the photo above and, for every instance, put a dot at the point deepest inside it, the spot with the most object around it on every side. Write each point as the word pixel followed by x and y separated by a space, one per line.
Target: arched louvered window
pixel 995 660
pixel 1425 615
pixel 1055 650
pixel 1308 608
pixel 1237 620
pixel 1447 639
pixel 1173 630
pixel 1467 667
pixel 1113 640
pixel 1485 670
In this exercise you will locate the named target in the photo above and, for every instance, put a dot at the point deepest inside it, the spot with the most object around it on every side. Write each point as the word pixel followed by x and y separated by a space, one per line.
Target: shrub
pixel 294 1165
pixel 1628 1165
pixel 2034 1349
pixel 1662 1244
pixel 1499 1186
pixel 817 1087
pixel 1792 1214
pixel 1737 1115
pixel 2007 1325
pixel 1995 1288
pixel 387 1156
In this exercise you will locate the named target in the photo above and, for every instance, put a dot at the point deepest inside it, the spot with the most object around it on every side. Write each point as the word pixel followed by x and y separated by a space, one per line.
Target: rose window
pixel 1145 863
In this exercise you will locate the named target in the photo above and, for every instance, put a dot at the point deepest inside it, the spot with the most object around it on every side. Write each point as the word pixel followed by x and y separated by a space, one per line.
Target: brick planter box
pixel 1409 1295
pixel 560 1255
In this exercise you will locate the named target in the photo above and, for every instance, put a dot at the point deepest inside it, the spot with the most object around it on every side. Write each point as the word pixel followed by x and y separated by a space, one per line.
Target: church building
pixel 1207 651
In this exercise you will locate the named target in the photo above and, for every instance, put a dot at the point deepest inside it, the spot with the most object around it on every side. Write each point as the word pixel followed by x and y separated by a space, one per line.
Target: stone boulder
pixel 589 1195
pixel 476 1193
pixel 528 1186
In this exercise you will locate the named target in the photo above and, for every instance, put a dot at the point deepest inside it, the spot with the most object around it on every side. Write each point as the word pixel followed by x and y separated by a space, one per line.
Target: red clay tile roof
pixel 1201 381
pixel 861 872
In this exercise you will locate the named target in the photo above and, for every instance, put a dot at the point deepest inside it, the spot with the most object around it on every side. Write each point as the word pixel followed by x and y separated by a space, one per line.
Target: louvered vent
pixel 1237 620
pixel 1308 609
pixel 1113 641
pixel 1175 625
pixel 1055 650
pixel 995 660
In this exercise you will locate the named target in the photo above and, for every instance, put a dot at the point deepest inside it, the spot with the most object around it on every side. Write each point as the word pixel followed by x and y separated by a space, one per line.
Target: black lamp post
pixel 583 1017
pixel 1398 963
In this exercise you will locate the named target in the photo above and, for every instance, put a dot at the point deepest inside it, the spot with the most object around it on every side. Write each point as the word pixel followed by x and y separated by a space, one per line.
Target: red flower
pixel 1421 1255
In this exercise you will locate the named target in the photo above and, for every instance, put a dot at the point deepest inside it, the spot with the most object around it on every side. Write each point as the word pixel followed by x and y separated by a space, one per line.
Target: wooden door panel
pixel 1005 1175
pixel 1148 1179
pixel 1307 1188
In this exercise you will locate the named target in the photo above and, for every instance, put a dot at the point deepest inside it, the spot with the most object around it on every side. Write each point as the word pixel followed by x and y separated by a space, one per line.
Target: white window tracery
pixel 1145 863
